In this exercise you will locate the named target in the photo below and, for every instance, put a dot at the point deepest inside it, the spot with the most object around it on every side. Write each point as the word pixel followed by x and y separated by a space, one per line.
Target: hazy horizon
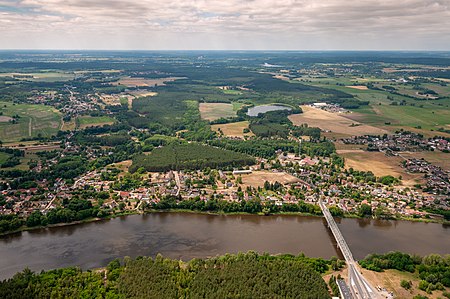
pixel 262 25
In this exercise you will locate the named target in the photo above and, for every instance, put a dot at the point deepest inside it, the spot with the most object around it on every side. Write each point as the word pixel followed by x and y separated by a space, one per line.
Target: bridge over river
pixel 359 286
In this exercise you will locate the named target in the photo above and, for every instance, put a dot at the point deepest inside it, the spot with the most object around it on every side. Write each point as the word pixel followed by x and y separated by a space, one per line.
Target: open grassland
pixel 143 82
pixel 426 115
pixel 257 178
pixel 29 156
pixel 336 123
pixel 92 121
pixel 408 116
pixel 69 125
pixel 33 120
pixel 233 129
pixel 378 164
pixel 390 279
pixel 213 111
pixel 443 91
pixel 4 157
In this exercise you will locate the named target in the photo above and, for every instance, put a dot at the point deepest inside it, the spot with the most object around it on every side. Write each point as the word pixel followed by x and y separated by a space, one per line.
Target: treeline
pixel 72 210
pixel 245 275
pixel 253 206
pixel 272 123
pixel 433 269
pixel 13 158
pixel 189 157
pixel 264 148
pixel 305 130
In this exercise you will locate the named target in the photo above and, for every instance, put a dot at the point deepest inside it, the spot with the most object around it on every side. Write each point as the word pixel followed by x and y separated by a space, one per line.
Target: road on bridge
pixel 358 285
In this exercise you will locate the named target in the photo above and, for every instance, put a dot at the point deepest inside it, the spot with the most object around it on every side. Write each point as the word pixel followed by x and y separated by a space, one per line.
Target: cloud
pixel 211 24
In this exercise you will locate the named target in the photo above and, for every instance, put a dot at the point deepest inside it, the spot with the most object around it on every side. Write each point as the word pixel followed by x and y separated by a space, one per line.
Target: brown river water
pixel 185 236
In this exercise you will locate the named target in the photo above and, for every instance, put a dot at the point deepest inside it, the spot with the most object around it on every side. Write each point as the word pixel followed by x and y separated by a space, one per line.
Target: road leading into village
pixel 359 286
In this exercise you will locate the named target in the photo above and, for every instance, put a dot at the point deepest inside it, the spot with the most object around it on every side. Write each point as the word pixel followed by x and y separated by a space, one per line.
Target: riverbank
pixel 150 211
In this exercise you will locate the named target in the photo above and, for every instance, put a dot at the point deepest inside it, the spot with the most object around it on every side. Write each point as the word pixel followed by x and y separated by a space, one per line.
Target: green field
pixel 91 121
pixel 4 157
pixel 34 121
pixel 427 115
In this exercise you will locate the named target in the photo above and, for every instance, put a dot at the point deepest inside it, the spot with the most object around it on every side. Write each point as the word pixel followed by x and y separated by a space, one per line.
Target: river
pixel 186 235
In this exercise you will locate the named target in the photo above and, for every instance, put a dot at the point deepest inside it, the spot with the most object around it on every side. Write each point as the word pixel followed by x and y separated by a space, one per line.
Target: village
pixel 400 142
pixel 288 179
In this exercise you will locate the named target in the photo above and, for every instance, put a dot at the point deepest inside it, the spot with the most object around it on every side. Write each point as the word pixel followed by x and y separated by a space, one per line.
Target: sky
pixel 225 24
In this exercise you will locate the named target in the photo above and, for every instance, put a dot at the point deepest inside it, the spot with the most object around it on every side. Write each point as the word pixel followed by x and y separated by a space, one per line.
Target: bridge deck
pixel 359 286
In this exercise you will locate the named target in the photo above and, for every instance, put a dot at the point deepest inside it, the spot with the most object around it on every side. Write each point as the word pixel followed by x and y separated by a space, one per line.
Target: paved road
pixel 359 286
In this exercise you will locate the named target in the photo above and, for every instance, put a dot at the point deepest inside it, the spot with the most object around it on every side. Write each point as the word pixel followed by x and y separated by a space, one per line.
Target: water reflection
pixel 185 236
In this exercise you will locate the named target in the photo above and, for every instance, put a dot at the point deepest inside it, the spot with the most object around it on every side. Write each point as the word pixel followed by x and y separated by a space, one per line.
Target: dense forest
pixel 248 275
pixel 189 156
pixel 264 148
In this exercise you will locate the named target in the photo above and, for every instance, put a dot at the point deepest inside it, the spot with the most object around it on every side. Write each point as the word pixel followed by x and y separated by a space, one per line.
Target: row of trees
pixel 253 206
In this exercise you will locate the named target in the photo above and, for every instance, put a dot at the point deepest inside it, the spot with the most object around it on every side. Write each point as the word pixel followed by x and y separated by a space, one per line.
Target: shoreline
pixel 152 211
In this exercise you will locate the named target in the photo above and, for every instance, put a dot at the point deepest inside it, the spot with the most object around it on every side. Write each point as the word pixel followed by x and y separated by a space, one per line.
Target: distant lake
pixel 254 111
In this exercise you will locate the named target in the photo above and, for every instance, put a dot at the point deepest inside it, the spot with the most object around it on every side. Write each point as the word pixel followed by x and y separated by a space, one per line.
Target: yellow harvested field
pixel 124 166
pixel 143 93
pixel 257 178
pixel 379 164
pixel 233 129
pixel 359 87
pixel 137 82
pixel 333 122
pixel 213 111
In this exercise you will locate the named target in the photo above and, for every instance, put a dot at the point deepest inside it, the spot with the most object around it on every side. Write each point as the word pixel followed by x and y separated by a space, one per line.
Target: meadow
pixel 33 121
pixel 4 157
pixel 86 121
pixel 233 129
pixel 394 111
pixel 213 111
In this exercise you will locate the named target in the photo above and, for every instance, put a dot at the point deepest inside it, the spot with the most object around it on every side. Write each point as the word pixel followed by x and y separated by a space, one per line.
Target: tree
pixel 35 219
pixel 365 210
pixel 406 284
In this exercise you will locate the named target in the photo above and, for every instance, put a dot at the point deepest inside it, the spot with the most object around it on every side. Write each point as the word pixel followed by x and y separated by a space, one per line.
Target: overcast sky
pixel 225 24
